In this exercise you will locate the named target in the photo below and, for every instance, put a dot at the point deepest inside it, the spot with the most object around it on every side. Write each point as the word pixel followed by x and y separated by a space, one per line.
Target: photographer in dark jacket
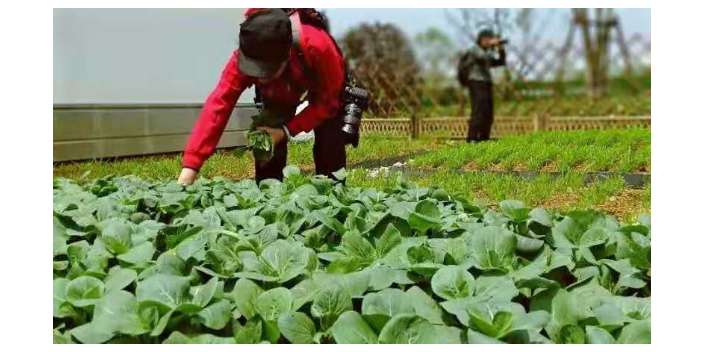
pixel 474 72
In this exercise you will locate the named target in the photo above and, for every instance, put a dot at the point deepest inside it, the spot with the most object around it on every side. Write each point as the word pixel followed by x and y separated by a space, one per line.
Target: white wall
pixel 123 56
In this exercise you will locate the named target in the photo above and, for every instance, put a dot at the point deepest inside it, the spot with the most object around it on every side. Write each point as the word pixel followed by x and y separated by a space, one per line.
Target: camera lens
pixel 349 129
pixel 352 118
pixel 356 101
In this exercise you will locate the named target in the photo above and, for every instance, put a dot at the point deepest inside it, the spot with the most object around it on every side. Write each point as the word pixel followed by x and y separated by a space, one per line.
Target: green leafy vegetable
pixel 309 260
pixel 261 144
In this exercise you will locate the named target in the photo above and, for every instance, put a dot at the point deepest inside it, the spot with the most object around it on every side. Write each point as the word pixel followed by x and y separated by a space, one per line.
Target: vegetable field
pixel 557 151
pixel 310 261
pixel 225 163
pixel 569 153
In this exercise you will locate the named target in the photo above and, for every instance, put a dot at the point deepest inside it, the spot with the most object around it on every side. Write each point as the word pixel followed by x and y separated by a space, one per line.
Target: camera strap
pixel 296 29
pixel 297 33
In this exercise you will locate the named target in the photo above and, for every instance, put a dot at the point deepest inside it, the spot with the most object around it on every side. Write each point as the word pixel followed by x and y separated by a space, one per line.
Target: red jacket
pixel 322 59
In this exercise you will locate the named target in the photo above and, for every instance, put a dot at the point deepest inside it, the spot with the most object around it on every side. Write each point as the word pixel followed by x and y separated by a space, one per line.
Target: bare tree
pixel 525 26
pixel 530 27
pixel 526 29
pixel 596 37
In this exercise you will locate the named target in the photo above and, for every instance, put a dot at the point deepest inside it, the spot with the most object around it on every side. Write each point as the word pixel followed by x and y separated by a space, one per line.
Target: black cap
pixel 265 42
pixel 485 33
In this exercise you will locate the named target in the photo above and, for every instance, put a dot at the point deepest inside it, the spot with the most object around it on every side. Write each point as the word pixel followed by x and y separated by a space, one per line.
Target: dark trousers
pixel 482 100
pixel 329 153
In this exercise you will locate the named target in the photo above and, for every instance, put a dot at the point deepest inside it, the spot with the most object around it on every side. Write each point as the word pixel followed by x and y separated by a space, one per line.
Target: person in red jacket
pixel 268 59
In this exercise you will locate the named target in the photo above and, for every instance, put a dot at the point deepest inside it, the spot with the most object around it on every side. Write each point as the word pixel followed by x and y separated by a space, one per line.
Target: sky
pixel 413 21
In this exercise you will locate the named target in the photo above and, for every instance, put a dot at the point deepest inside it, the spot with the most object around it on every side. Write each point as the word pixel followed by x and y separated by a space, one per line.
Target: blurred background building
pixel 132 81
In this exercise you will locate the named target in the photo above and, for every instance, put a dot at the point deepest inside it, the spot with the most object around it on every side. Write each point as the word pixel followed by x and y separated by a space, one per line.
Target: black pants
pixel 482 100
pixel 329 153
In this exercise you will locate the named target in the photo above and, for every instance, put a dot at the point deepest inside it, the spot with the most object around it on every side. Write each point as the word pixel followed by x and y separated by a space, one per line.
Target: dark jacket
pixel 476 64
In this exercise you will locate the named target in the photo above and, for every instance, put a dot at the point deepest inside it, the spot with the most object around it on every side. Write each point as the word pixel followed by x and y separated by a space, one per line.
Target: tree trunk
pixel 596 50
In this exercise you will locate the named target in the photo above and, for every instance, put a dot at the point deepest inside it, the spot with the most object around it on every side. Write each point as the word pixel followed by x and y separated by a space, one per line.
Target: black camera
pixel 503 41
pixel 355 102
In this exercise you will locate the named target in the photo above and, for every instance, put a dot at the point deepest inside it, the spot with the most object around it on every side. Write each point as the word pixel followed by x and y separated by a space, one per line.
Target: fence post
pixel 546 122
pixel 540 122
pixel 415 126
pixel 536 123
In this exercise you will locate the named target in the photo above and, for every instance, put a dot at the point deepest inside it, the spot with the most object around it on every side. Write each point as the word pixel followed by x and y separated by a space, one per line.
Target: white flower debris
pixel 381 171
pixel 384 171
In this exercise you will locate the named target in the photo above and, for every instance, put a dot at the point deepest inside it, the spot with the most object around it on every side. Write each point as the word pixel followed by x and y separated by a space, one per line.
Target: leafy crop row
pixel 574 151
pixel 310 261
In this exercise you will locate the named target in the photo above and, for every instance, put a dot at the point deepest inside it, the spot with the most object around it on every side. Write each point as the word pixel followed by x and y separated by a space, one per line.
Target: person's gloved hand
pixel 187 176
pixel 277 134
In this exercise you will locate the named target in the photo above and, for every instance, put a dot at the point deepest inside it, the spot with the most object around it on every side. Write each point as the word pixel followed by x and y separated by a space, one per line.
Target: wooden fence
pixel 456 127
